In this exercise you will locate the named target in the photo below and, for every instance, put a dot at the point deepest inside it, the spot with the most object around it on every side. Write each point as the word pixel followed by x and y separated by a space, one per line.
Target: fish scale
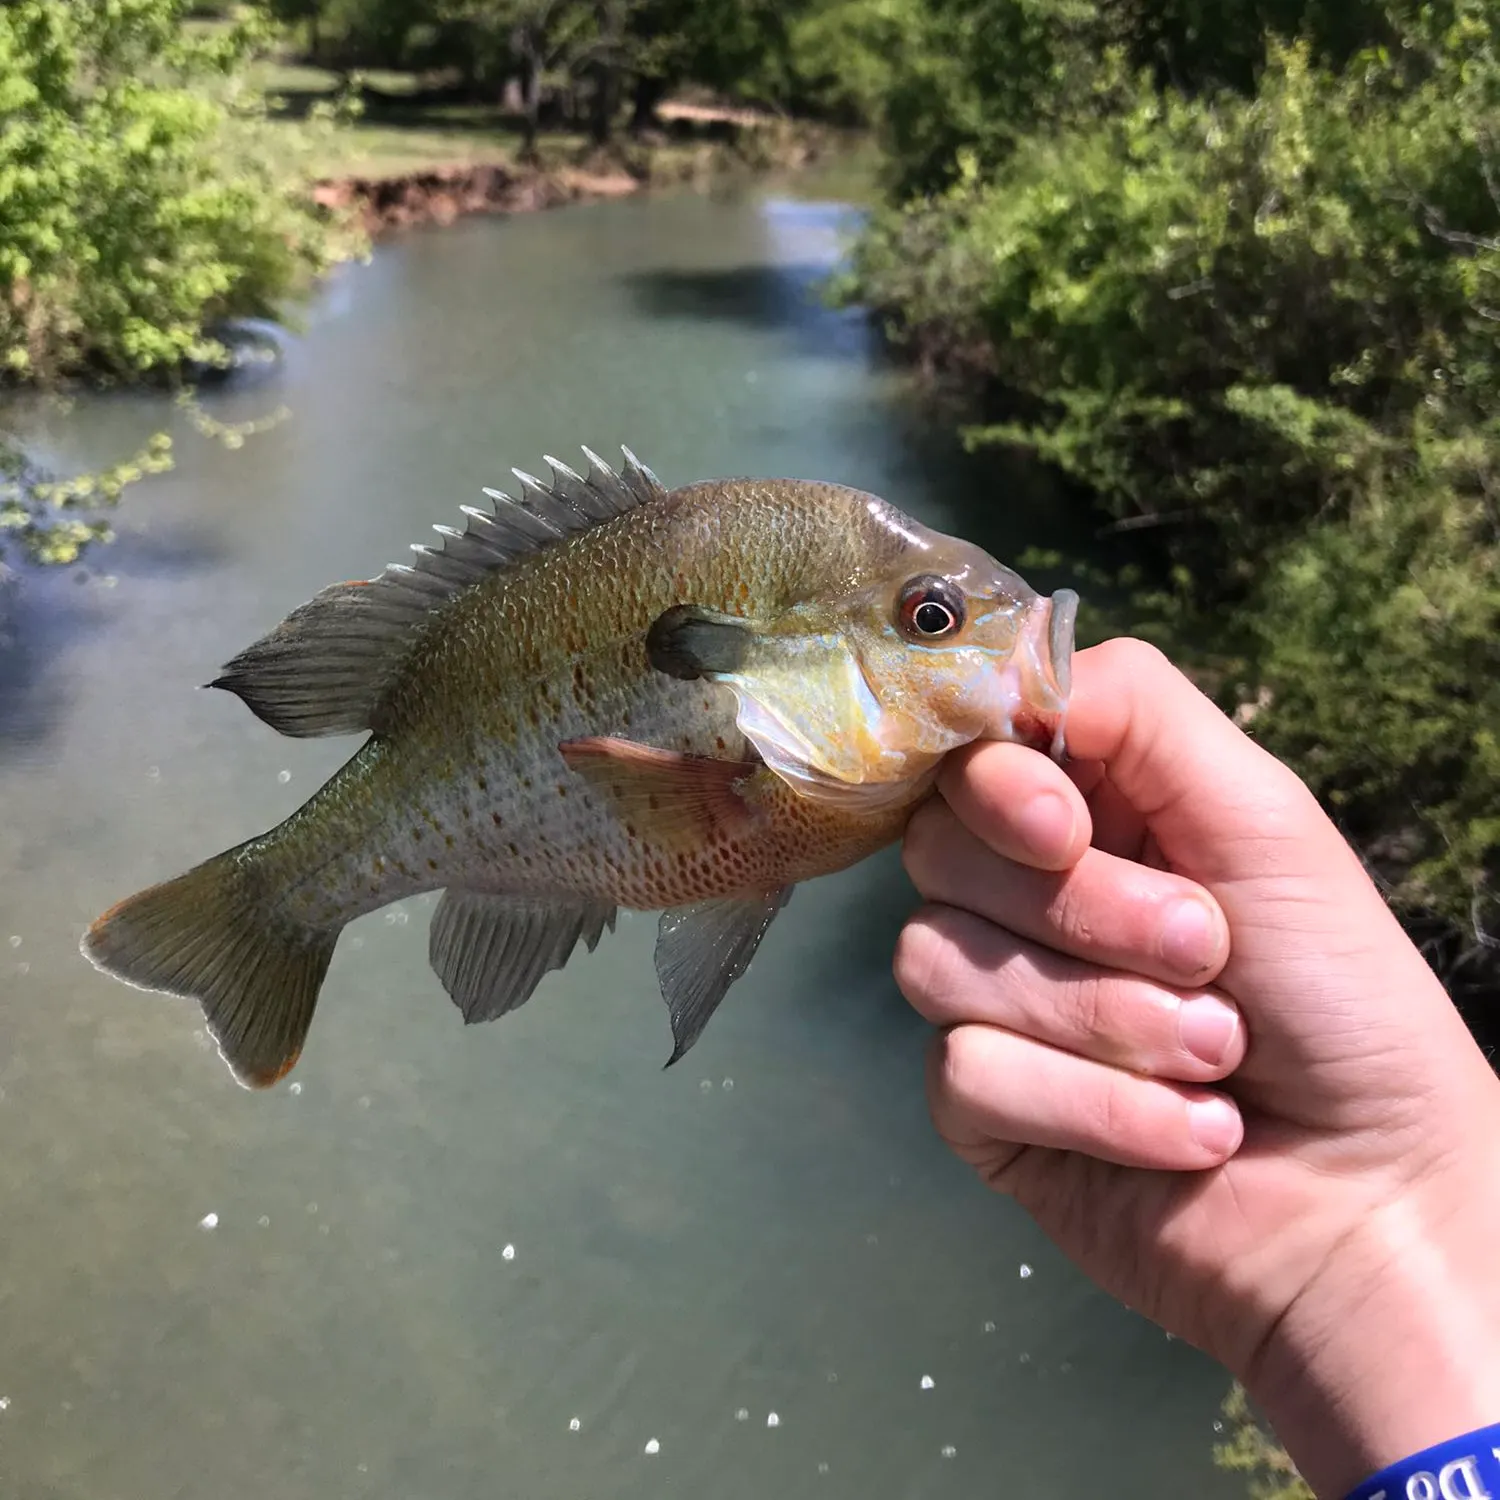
pixel 603 694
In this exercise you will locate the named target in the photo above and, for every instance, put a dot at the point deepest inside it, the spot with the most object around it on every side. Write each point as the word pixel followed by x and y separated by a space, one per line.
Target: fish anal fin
pixel 701 950
pixel 491 952
pixel 331 664
pixel 671 796
pixel 210 936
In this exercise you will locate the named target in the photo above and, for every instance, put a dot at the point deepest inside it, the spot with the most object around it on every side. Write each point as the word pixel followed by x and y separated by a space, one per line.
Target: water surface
pixel 502 1261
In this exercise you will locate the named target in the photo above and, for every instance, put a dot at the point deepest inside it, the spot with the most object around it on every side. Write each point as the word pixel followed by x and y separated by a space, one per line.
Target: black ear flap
pixel 688 642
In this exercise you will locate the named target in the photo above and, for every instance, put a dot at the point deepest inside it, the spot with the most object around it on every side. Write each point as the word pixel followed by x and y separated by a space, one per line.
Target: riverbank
pixel 386 203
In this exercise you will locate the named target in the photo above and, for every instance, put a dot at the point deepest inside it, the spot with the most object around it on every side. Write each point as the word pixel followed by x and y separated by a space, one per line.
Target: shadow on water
pixel 782 298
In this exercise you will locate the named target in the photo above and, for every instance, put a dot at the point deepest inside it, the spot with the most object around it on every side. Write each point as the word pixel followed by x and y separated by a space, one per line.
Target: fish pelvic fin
pixel 701 950
pixel 211 936
pixel 330 666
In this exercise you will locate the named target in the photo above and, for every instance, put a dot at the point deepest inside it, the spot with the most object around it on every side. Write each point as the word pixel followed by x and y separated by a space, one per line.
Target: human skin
pixel 1180 1026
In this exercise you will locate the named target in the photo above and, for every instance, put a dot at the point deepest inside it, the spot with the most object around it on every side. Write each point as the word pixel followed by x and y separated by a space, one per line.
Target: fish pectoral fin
pixel 701 950
pixel 688 642
pixel 491 952
pixel 665 794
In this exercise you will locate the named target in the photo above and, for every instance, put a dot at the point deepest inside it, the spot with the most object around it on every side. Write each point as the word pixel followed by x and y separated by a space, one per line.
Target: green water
pixel 501 1261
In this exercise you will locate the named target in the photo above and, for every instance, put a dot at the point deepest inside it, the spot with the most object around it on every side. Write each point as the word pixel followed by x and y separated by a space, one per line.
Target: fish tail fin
pixel 213 936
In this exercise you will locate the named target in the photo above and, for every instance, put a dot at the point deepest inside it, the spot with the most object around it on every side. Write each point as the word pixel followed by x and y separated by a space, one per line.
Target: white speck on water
pixel 1171 1338
pixel 264 1221
pixel 833 1377
pixel 283 777
pixel 751 376
pixel 742 1415
pixel 822 1468
pixel 364 1101
pixel 209 1221
pixel 574 1425
pixel 23 967
pixel 15 940
pixel 653 1446
pixel 1218 1427
pixel 707 1085
pixel 928 1382
pixel 989 1325
pixel 294 1088
pixel 727 1085
pixel 323 1229
pixel 949 1451
pixel 509 1253
pixel 1025 1271
pixel 397 918
pixel 1066 1367
pixel 154 773
pixel 312 1208
pixel 363 1468
pixel 4 1403
pixel 772 1420
pixel 356 942
pixel 109 581
pixel 1025 1359
pixel 872 1239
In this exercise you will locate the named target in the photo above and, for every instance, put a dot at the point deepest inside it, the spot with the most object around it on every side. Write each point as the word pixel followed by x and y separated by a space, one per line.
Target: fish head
pixel 855 694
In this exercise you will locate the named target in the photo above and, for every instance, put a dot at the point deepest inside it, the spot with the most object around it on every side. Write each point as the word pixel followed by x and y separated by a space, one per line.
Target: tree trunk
pixel 531 104
pixel 602 103
pixel 649 92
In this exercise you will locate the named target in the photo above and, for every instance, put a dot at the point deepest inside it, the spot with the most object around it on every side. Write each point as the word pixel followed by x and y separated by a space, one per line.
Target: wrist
pixel 1393 1346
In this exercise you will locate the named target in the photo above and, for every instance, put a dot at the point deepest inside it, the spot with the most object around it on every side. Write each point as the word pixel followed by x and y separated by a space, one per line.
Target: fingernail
pixel 1215 1125
pixel 1207 1028
pixel 1045 823
pixel 1190 937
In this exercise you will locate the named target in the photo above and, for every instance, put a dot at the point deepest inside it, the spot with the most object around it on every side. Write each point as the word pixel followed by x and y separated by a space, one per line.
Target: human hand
pixel 1104 946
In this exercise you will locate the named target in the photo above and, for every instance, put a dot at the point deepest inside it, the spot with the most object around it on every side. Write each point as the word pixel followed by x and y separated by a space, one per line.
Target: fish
pixel 599 694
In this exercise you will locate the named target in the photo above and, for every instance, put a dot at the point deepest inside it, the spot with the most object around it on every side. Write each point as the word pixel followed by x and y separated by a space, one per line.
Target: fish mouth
pixel 1044 665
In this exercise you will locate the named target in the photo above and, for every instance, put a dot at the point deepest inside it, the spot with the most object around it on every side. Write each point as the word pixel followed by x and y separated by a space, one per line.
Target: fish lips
pixel 1044 663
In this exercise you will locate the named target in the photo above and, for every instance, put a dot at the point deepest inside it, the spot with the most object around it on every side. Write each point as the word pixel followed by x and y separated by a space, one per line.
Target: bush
pixel 1261 330
pixel 142 204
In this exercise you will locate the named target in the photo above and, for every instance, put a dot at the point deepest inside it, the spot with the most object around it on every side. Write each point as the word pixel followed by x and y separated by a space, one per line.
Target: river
pixel 515 1261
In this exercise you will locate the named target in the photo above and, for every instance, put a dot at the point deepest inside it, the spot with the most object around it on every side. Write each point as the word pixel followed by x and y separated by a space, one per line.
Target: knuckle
pixel 955 1068
pixel 1086 1009
pixel 1069 916
pixel 922 952
pixel 922 845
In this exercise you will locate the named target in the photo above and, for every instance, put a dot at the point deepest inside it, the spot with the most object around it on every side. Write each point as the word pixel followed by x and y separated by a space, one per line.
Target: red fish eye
pixel 930 609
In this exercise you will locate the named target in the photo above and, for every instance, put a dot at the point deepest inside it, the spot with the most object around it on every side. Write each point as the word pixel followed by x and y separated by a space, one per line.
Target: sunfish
pixel 601 694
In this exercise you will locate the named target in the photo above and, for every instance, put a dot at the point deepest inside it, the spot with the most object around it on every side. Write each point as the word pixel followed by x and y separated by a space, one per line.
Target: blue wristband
pixel 1463 1468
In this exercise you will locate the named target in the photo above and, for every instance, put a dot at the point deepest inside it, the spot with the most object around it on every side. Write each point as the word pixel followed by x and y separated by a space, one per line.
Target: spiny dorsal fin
pixel 327 667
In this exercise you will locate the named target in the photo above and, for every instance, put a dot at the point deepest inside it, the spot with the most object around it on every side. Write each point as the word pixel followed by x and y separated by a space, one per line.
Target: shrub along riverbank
pixel 168 175
pixel 1238 279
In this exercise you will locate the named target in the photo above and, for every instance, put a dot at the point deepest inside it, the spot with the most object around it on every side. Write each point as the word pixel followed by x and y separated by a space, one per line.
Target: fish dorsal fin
pixel 491 952
pixel 326 669
pixel 701 950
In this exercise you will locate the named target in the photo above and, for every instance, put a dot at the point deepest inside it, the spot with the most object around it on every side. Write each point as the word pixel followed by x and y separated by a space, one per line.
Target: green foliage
pixel 141 203
pixel 1260 328
pixel 1251 1450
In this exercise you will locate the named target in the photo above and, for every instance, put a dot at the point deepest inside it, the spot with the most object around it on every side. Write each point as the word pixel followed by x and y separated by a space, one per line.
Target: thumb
pixel 1317 957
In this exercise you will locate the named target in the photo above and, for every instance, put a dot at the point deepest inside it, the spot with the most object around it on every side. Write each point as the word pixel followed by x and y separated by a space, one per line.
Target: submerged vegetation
pixel 1236 276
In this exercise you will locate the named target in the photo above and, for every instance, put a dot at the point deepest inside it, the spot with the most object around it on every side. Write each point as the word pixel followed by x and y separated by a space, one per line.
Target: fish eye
pixel 930 609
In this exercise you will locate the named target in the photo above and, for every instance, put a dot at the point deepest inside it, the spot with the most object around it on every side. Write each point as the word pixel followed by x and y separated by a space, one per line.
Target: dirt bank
pixel 441 195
